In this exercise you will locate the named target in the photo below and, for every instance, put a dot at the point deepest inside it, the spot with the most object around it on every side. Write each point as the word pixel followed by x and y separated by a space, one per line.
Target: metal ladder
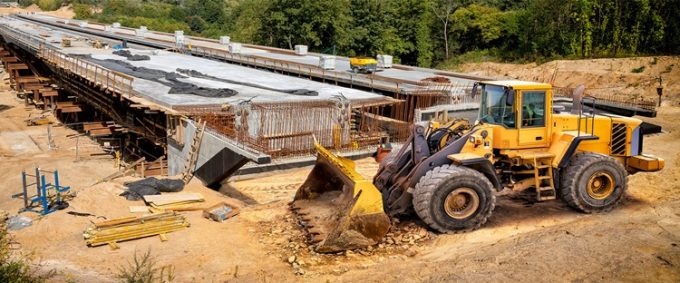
pixel 192 155
pixel 542 173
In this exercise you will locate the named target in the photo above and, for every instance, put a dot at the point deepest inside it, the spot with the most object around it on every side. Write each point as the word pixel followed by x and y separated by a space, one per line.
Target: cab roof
pixel 517 84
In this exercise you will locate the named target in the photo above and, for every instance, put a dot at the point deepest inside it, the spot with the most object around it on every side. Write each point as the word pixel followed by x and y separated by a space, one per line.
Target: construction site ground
pixel 523 240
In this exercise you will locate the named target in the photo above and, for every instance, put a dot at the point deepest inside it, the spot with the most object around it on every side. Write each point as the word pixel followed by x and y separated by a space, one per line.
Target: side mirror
pixel 509 97
pixel 475 86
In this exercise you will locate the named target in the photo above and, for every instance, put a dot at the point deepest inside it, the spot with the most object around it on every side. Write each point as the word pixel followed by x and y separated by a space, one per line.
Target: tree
pixel 443 11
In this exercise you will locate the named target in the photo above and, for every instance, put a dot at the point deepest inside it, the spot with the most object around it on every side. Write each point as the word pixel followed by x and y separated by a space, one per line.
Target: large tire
pixel 593 182
pixel 445 199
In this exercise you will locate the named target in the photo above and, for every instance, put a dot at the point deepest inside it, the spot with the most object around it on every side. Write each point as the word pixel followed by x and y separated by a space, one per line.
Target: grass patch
pixel 638 70
pixel 15 267
pixel 477 56
pixel 143 269
pixel 669 68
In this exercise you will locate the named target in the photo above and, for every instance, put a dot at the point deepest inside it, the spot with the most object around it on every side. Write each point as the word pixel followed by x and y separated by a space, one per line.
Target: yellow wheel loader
pixel 447 174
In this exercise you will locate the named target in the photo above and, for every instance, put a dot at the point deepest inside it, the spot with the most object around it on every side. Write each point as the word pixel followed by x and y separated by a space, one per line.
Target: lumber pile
pixel 130 228
pixel 174 202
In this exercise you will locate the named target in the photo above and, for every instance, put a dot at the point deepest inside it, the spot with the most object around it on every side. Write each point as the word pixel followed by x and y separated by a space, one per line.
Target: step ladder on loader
pixel 543 177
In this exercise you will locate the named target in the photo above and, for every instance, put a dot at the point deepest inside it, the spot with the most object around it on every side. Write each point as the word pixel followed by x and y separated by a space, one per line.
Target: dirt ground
pixel 523 240
pixel 64 12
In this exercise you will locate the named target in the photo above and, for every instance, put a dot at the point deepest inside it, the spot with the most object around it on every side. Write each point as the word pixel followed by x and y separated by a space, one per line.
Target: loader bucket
pixel 337 207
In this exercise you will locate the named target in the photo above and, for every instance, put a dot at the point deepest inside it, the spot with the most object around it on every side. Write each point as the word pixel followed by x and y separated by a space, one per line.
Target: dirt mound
pixel 63 12
pixel 33 8
pixel 437 79
pixel 629 77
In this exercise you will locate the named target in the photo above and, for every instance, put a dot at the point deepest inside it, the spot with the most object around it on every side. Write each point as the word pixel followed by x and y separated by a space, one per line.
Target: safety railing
pixel 111 80
pixel 103 77
pixel 300 69
pixel 20 37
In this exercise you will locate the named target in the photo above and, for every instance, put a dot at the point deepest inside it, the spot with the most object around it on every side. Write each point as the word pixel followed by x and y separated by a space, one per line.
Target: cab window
pixel 497 108
pixel 533 109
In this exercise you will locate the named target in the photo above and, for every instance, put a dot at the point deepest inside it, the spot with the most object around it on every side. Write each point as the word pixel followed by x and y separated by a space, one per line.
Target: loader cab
pixel 519 113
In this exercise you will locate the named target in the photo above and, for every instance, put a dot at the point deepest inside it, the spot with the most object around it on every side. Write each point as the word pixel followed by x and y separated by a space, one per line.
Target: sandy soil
pixel 600 76
pixel 64 12
pixel 523 240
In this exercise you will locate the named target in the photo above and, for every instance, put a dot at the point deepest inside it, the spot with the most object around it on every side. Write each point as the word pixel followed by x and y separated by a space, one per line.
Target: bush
pixel 49 5
pixel 82 11
pixel 15 267
pixel 638 70
pixel 143 270
pixel 25 3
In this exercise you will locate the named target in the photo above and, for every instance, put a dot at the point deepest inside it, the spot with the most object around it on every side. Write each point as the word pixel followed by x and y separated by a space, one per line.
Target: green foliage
pixel 15 268
pixel 638 70
pixel 143 269
pixel 247 23
pixel 25 3
pixel 418 32
pixel 82 11
pixel 49 5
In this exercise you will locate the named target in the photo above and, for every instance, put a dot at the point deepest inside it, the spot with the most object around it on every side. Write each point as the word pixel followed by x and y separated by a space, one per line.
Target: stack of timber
pixel 174 202
pixel 111 232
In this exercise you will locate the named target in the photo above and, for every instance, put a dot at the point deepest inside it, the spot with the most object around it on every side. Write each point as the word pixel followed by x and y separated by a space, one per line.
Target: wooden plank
pixel 33 86
pixel 100 132
pixel 72 109
pixel 94 125
pixel 122 172
pixel 173 198
pixel 17 66
pixel 9 59
pixel 49 93
pixel 28 80
pixel 138 208
pixel 63 104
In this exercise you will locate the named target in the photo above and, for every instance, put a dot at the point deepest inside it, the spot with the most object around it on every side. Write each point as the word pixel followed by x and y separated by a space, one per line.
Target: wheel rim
pixel 461 203
pixel 601 185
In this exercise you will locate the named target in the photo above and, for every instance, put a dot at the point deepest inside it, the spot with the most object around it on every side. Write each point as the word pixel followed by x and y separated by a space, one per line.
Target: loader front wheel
pixel 593 182
pixel 450 198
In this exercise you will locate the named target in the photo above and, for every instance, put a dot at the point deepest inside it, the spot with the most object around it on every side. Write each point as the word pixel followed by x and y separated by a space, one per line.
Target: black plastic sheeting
pixel 151 186
pixel 165 78
pixel 197 74
pixel 130 56
pixel 182 87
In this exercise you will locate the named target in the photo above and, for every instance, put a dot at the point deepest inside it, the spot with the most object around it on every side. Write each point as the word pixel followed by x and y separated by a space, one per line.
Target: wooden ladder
pixel 543 176
pixel 192 155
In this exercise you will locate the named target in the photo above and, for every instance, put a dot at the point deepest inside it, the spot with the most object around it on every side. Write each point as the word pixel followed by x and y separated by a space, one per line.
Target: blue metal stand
pixel 43 189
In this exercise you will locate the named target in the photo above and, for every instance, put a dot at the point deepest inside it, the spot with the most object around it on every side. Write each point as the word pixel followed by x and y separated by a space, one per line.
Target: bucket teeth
pixel 315 239
pixel 314 231
pixel 337 208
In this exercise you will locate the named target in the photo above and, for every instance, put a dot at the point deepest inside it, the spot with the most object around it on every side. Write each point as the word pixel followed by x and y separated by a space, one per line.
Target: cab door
pixel 534 117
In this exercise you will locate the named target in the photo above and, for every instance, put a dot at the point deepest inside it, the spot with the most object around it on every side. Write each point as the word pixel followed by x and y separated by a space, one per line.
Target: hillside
pixel 629 77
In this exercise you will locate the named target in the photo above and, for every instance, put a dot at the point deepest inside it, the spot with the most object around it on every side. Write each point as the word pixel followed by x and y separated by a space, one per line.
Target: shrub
pixel 143 270
pixel 638 70
pixel 15 268
pixel 82 11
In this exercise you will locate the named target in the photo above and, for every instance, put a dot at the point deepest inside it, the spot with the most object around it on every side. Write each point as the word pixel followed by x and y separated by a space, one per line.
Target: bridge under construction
pixel 226 107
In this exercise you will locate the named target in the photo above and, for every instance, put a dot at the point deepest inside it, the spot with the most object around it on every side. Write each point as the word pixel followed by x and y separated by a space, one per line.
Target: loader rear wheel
pixel 593 183
pixel 450 198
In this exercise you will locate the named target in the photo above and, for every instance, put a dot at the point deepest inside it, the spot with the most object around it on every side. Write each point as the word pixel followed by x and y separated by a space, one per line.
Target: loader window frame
pixel 496 108
pixel 533 108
